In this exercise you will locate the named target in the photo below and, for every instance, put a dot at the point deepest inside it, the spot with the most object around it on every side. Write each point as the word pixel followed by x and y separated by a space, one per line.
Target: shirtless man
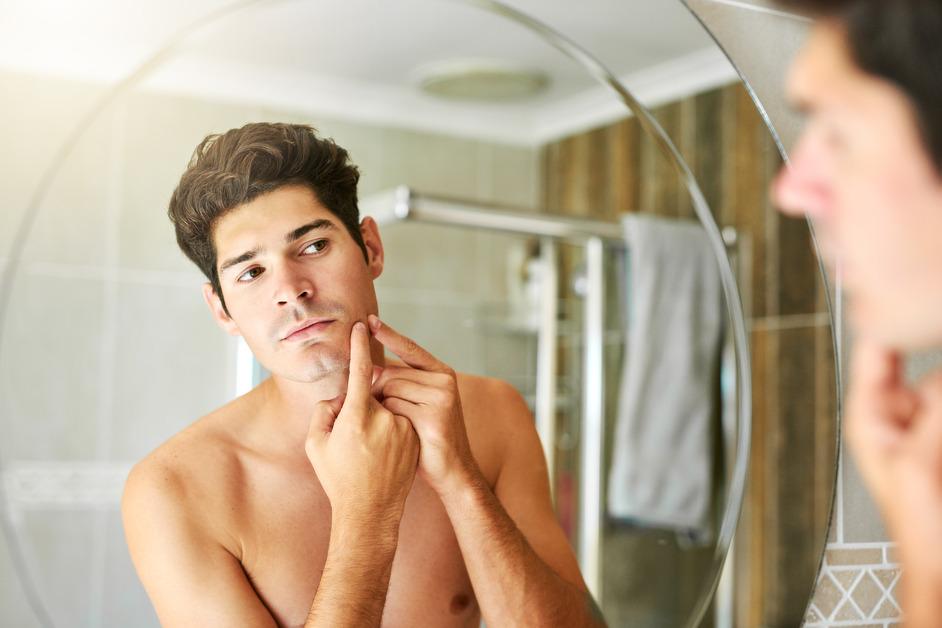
pixel 868 170
pixel 343 490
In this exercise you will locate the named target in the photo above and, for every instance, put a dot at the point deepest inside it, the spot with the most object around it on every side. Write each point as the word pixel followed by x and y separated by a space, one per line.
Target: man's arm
pixel 352 590
pixel 895 433
pixel 521 566
pixel 193 580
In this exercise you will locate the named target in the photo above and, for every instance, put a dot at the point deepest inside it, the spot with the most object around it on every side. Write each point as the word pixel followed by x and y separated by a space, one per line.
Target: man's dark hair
pixel 900 41
pixel 235 167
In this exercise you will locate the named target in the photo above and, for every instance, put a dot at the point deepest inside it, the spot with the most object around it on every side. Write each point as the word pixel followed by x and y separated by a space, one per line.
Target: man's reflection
pixel 428 504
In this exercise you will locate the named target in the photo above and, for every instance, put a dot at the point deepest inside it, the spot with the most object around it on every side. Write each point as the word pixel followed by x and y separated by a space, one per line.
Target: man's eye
pixel 249 274
pixel 317 246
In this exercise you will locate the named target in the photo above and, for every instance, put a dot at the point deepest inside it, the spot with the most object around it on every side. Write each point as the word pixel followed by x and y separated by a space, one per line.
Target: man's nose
pixel 802 185
pixel 293 285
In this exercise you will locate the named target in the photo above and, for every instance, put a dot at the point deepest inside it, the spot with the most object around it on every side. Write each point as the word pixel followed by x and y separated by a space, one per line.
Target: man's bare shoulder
pixel 492 399
pixel 496 416
pixel 194 474
pixel 203 448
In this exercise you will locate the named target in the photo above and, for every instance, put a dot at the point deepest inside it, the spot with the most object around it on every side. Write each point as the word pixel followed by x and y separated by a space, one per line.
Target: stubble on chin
pixel 329 371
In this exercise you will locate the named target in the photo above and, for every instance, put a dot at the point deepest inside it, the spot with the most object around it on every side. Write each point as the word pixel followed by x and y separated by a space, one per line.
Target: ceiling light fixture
pixel 482 80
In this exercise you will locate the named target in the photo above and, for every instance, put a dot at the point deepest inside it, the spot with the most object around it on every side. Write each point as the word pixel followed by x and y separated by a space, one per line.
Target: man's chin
pixel 891 326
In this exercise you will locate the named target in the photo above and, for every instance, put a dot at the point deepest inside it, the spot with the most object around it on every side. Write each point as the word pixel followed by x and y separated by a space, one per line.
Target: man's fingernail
pixel 359 326
pixel 374 322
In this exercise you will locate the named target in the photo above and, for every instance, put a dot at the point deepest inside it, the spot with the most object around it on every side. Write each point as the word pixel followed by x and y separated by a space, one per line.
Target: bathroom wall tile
pixel 892 554
pixel 798 287
pixel 34 127
pixel 856 556
pixel 648 580
pixel 745 195
pixel 433 257
pixel 707 169
pixel 71 224
pixel 919 365
pixel 827 439
pixel 847 611
pixel 794 552
pixel 569 171
pixel 50 368
pixel 623 141
pixel 598 189
pixel 510 354
pixel 172 364
pixel 434 164
pixel 661 193
pixel 160 135
pixel 862 520
pixel 499 270
pixel 849 592
pixel 867 594
pixel 15 609
pixel 58 548
pixel 124 600
pixel 444 328
pixel 828 596
pixel 509 176
pixel 752 550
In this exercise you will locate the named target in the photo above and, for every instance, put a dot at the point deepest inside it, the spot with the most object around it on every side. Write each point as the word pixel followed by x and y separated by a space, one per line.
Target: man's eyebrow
pixel 291 236
pixel 238 259
pixel 321 223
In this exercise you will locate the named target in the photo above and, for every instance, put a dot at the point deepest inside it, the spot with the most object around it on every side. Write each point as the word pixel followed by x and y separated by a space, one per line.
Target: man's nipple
pixel 459 603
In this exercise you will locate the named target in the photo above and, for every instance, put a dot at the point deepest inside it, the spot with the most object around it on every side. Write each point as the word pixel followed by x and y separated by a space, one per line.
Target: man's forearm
pixel 352 589
pixel 513 585
pixel 921 561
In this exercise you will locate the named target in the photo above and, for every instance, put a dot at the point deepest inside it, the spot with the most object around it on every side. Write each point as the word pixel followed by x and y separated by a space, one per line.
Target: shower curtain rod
pixel 404 203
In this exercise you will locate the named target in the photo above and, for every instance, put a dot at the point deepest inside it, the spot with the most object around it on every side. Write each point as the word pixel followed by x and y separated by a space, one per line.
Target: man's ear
pixel 369 230
pixel 219 314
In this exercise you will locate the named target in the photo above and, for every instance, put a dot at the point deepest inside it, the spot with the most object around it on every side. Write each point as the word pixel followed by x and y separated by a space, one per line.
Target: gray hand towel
pixel 663 450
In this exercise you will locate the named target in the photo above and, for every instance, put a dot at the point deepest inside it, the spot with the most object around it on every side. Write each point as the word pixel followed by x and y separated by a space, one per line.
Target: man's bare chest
pixel 284 533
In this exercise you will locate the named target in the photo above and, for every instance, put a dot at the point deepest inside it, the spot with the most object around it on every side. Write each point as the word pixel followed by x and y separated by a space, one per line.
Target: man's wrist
pixel 356 527
pixel 461 484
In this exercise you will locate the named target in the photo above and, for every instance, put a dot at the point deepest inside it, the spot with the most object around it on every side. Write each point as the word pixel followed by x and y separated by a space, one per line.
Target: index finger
pixel 406 348
pixel 361 367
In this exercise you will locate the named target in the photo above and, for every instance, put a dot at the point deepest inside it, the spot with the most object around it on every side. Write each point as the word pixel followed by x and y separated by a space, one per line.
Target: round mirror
pixel 614 266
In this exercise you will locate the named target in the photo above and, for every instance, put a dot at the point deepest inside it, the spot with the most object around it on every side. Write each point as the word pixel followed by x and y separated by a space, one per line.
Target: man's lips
pixel 308 328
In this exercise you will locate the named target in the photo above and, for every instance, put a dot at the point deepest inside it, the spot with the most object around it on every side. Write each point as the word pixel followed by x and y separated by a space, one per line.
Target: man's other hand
pixel 426 392
pixel 895 433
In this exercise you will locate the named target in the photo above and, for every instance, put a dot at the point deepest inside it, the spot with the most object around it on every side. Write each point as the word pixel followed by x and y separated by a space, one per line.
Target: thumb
pixel 323 417
pixel 874 367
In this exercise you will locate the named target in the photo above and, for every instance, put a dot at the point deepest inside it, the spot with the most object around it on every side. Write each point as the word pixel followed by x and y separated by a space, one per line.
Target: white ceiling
pixel 358 59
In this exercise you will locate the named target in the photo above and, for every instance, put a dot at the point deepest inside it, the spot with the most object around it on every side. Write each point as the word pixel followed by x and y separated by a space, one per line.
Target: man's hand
pixel 426 392
pixel 365 455
pixel 895 431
